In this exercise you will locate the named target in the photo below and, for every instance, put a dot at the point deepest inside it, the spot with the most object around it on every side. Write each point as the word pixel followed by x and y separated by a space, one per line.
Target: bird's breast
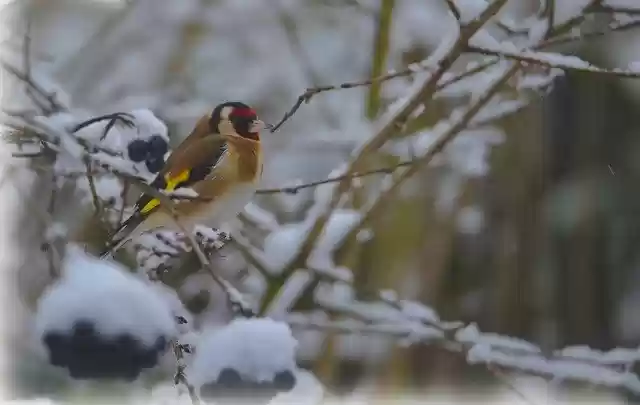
pixel 227 206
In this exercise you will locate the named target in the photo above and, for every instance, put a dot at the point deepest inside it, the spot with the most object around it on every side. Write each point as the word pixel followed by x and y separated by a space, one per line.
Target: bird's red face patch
pixel 244 113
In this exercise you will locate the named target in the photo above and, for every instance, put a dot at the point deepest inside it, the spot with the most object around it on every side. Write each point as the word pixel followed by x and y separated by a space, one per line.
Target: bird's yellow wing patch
pixel 172 183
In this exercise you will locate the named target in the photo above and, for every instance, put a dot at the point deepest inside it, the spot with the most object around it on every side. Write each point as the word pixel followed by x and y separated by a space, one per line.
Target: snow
pixel 307 391
pixel 538 30
pixel 470 9
pixel 261 216
pixel 290 293
pixel 272 76
pixel 629 4
pixel 256 348
pixel 183 192
pixel 471 334
pixel 557 369
pixel 470 220
pixel 617 356
pixel 283 244
pixel 103 292
pixel 55 231
pixel 418 311
pixel 108 189
pixel 148 124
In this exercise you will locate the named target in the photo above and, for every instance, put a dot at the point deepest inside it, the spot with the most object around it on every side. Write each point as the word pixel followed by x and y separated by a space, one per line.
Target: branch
pixel 236 299
pixel 180 377
pixel 613 27
pixel 453 9
pixel 553 60
pixel 424 97
pixel 54 104
pixel 549 12
pixel 604 8
pixel 295 189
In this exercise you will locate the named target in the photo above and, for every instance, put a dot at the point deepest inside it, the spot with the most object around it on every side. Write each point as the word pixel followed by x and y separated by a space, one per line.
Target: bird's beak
pixel 257 126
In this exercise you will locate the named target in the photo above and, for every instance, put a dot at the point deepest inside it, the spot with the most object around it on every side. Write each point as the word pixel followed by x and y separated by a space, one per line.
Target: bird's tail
pixel 122 235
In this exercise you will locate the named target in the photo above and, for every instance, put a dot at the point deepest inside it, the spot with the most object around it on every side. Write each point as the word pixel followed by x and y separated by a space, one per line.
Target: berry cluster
pixel 150 151
pixel 231 385
pixel 89 355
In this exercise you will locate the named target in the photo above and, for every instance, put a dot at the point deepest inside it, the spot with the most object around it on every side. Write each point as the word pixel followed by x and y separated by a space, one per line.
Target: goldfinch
pixel 221 160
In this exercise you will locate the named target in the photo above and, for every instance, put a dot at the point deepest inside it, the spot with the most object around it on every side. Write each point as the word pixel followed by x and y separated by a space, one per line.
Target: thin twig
pixel 538 59
pixel 123 197
pixel 97 206
pixel 549 12
pixel 613 27
pixel 454 9
pixel 52 252
pixel 180 377
pixel 604 8
pixel 295 189
pixel 55 105
pixel 422 97
pixel 414 68
pixel 310 92
pixel 28 154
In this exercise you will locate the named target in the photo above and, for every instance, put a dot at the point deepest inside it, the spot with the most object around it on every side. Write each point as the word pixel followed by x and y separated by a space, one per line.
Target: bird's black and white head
pixel 236 119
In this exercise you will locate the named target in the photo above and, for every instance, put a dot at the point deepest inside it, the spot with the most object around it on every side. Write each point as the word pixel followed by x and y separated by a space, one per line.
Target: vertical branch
pixel 54 261
pixel 123 197
pixel 421 97
pixel 380 52
pixel 550 13
pixel 97 206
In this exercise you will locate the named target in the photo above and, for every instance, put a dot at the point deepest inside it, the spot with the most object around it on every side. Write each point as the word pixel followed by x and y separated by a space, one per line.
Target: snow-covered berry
pixel 248 358
pixel 138 150
pixel 284 380
pixel 154 165
pixel 158 147
pixel 100 322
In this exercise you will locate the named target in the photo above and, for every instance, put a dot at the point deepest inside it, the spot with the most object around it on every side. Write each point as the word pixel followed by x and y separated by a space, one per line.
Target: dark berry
pixel 154 165
pixel 229 378
pixel 284 380
pixel 157 146
pixel 138 150
pixel 58 347
pixel 83 328
pixel 87 354
pixel 264 389
pixel 160 344
pixel 147 358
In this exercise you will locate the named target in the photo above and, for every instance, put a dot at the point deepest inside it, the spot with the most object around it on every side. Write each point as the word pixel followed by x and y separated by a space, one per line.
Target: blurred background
pixel 534 234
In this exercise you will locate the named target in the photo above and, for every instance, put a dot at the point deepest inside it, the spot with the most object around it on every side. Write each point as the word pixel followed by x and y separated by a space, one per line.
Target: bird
pixel 221 160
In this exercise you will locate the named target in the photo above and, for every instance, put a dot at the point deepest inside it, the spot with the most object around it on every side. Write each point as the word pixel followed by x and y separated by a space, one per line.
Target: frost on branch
pixel 442 114
pixel 98 321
